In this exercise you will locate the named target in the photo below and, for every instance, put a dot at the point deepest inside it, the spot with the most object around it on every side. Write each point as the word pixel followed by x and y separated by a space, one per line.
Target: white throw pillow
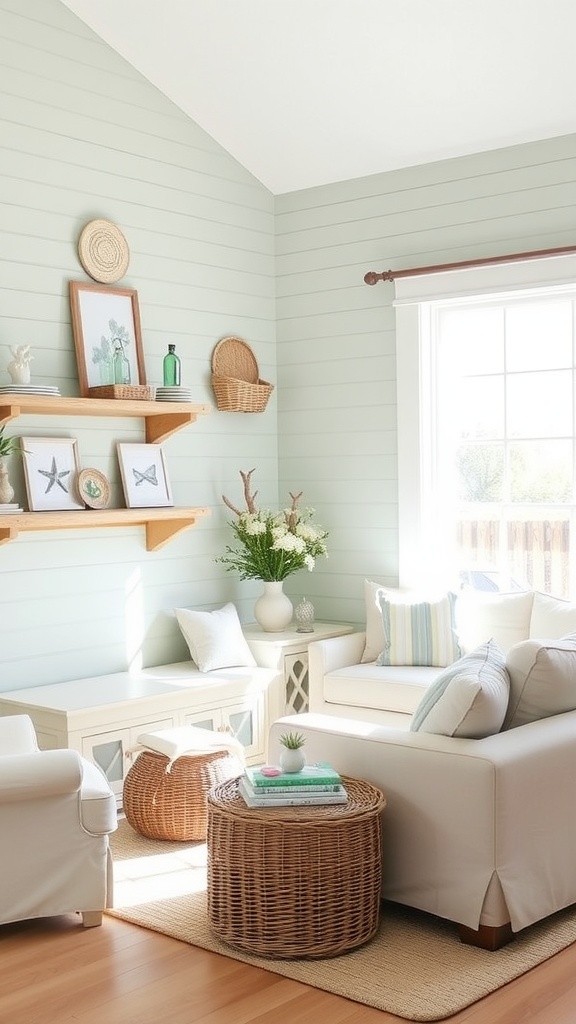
pixel 551 618
pixel 215 639
pixel 468 699
pixel 374 642
pixel 502 617
pixel 542 680
pixel 418 631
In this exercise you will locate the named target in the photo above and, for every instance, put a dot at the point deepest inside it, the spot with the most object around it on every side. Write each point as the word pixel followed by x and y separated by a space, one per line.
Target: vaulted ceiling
pixel 307 92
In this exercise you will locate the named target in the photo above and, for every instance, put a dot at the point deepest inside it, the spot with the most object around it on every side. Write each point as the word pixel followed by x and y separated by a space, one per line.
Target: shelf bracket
pixel 160 532
pixel 159 427
pixel 7 534
pixel 9 412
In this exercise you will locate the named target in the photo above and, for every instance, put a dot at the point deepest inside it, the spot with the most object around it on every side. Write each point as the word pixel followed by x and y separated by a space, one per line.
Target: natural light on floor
pixel 160 876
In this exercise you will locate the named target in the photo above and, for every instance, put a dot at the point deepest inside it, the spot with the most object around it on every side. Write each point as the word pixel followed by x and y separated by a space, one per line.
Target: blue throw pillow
pixel 418 632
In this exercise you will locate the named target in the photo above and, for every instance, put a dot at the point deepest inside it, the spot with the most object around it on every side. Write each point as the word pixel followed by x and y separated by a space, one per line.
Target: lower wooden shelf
pixel 162 524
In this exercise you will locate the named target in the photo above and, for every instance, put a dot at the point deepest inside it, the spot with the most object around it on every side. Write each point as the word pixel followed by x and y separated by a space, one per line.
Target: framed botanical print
pixel 107 335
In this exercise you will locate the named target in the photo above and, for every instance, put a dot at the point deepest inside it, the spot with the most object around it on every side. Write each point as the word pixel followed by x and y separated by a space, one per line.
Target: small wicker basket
pixel 167 800
pixel 132 392
pixel 236 379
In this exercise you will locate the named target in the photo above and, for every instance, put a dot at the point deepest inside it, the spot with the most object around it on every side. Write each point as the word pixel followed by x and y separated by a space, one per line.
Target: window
pixel 487 426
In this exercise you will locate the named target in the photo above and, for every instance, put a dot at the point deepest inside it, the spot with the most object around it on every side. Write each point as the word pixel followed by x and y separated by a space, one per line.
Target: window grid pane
pixel 502 458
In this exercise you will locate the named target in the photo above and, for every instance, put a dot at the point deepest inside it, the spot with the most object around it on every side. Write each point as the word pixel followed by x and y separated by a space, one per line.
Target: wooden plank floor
pixel 56 972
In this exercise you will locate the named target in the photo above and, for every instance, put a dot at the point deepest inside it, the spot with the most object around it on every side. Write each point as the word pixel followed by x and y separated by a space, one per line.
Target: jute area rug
pixel 415 967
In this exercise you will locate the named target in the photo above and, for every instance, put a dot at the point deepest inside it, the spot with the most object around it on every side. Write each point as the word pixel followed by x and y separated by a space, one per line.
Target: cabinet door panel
pixel 296 676
pixel 246 722
pixel 108 751
pixel 204 719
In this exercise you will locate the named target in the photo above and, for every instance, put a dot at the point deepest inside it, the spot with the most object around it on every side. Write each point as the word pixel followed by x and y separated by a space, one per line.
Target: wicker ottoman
pixel 295 882
pixel 166 799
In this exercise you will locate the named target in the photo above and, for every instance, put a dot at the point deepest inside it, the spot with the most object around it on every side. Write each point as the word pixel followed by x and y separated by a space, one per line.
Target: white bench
pixel 103 716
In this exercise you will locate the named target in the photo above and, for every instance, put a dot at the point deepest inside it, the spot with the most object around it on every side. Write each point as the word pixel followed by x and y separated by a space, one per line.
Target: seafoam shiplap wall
pixel 336 338
pixel 82 135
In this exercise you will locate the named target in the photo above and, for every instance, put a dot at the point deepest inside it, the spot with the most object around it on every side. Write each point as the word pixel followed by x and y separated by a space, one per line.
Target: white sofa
pixel 481 831
pixel 342 683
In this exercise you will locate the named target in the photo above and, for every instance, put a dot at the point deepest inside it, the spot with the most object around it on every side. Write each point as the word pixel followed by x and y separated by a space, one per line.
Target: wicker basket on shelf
pixel 133 392
pixel 236 378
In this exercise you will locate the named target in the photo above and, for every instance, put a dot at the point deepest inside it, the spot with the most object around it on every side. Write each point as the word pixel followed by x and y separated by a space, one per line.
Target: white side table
pixel 287 652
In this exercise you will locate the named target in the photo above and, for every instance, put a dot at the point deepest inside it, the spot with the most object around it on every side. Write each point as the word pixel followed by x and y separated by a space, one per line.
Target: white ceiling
pixel 307 92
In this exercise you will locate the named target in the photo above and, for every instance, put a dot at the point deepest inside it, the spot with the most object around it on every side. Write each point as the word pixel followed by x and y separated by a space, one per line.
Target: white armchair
pixel 56 813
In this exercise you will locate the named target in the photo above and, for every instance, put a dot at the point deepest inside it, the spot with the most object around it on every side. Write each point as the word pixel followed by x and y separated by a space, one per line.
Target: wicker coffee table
pixel 295 882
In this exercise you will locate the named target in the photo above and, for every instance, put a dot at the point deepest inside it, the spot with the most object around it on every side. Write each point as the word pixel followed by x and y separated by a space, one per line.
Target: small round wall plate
pixel 93 488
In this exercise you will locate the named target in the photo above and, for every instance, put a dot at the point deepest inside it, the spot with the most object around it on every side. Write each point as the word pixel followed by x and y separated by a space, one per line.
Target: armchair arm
pixel 41 774
pixel 336 652
pixel 17 735
pixel 326 656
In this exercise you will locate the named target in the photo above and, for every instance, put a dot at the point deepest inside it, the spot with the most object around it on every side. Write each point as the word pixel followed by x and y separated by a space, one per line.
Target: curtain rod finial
pixel 372 277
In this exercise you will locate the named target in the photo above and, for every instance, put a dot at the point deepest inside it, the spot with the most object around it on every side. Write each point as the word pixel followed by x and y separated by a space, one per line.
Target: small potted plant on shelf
pixel 292 756
pixel 8 445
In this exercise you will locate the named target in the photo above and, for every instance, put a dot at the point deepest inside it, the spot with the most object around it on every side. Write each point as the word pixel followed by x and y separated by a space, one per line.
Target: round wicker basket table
pixel 295 882
pixel 165 799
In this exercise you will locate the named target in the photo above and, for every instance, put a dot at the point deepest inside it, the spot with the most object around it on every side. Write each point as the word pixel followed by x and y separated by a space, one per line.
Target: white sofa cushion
pixel 215 639
pixel 504 618
pixel 551 617
pixel 381 688
pixel 542 680
pixel 469 698
pixel 418 631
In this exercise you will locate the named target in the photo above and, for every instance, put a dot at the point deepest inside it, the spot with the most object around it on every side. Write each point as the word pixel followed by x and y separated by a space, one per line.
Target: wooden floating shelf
pixel 162 524
pixel 162 418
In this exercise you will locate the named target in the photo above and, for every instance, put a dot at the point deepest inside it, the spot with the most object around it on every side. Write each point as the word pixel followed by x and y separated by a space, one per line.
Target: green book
pixel 298 797
pixel 311 775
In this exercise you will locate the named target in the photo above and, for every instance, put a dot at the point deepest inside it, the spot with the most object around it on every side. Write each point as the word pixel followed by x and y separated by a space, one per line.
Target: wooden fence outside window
pixel 536 552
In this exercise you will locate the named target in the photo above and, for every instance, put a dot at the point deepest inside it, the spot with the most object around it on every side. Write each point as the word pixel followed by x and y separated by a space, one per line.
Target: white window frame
pixel 415 304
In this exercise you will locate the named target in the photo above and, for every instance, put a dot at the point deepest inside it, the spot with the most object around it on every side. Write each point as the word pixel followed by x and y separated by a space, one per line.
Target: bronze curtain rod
pixel 390 275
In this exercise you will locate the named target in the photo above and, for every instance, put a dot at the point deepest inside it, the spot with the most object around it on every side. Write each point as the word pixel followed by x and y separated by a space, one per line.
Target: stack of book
pixel 315 784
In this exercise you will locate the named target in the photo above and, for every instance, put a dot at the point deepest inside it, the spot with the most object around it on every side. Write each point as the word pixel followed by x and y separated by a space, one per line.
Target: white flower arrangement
pixel 273 545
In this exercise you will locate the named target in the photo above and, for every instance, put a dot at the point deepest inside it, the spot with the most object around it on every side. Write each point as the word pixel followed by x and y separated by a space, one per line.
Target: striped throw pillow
pixel 418 632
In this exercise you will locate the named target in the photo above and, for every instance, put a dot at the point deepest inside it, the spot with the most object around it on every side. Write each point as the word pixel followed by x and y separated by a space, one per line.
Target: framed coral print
pixel 51 471
pixel 144 475
pixel 107 335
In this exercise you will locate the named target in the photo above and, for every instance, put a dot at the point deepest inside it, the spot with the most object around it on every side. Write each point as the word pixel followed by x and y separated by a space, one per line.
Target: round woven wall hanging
pixel 103 251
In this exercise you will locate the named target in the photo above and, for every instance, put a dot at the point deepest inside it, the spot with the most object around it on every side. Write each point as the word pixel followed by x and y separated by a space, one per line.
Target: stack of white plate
pixel 10 508
pixel 29 389
pixel 174 394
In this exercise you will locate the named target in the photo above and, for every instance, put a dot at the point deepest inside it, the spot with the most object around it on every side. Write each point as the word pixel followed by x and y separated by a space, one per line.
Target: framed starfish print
pixel 144 475
pixel 51 471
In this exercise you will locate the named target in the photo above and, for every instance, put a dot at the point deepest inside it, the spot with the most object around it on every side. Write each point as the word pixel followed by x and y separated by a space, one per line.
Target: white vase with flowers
pixel 270 547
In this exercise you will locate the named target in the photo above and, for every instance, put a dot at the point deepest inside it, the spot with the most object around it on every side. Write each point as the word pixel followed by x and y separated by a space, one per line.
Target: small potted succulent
pixel 292 756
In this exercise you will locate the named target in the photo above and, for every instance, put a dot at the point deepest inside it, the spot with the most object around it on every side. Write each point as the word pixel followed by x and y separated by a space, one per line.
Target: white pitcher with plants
pixel 272 546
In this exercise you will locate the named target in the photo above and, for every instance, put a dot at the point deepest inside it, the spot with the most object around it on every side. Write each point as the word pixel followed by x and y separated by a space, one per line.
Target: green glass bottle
pixel 171 368
pixel 121 366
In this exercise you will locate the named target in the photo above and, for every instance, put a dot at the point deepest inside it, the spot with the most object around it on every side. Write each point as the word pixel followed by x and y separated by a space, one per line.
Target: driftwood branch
pixel 249 498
